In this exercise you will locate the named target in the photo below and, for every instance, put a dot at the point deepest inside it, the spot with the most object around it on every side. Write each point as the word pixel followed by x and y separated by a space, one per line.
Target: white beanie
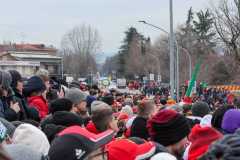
pixel 163 156
pixel 99 105
pixel 128 110
pixel 31 136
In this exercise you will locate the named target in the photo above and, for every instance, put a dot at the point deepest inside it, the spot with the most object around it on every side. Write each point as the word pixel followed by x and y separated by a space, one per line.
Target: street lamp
pixel 174 84
pixel 177 48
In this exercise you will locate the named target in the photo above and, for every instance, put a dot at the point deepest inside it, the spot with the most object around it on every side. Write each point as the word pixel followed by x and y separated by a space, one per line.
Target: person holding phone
pixel 9 108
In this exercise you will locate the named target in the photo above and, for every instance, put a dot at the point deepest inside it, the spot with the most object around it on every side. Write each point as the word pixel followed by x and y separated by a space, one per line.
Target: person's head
pixel 34 87
pixel 5 83
pixel 201 137
pixel 78 98
pixel 31 136
pixel 9 126
pixel 4 136
pixel 127 149
pixel 109 99
pixel 170 129
pixel 200 109
pixel 76 143
pixel 231 121
pixel 236 102
pixel 163 101
pixel 218 116
pixel 17 82
pixel 3 154
pixel 44 75
pixel 23 152
pixel 225 148
pixel 102 116
pixel 146 108
pixel 62 104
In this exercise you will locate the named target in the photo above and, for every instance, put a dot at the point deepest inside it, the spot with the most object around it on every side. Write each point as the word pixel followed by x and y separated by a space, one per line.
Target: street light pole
pixel 172 68
pixel 177 55
pixel 171 47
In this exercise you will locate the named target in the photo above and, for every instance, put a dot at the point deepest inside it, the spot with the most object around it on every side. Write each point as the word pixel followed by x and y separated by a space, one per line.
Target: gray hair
pixel 75 95
pixel 5 79
pixel 99 105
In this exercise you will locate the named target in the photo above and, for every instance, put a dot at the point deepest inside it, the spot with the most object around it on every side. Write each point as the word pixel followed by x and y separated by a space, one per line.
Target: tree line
pixel 213 34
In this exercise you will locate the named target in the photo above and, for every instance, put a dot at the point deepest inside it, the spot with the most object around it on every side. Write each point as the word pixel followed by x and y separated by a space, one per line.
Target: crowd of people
pixel 41 120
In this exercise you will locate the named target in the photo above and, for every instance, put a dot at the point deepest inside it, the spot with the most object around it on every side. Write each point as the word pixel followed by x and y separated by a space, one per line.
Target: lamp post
pixel 174 83
pixel 177 56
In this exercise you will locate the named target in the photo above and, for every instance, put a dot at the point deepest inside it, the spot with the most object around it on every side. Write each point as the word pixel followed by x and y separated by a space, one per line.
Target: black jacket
pixel 25 111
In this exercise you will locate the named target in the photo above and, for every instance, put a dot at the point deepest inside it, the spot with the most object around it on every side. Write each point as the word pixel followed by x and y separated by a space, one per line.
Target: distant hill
pixel 101 57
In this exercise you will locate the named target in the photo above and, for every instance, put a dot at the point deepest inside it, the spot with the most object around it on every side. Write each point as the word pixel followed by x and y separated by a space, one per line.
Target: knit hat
pixel 23 152
pixel 62 104
pixel 5 79
pixel 75 95
pixel 125 149
pixel 108 99
pixel 127 110
pixel 9 126
pixel 201 138
pixel 99 105
pixel 168 127
pixel 225 148
pixel 76 143
pixel 31 136
pixel 231 121
pixel 163 156
pixel 200 109
pixel 218 116
pixel 3 132
pixel 16 77
pixel 34 84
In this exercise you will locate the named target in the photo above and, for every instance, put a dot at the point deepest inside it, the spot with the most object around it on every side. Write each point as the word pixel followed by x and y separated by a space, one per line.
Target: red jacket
pixel 92 128
pixel 40 104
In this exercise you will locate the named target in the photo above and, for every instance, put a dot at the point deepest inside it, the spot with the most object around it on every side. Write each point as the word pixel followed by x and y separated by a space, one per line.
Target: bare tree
pixel 79 46
pixel 227 25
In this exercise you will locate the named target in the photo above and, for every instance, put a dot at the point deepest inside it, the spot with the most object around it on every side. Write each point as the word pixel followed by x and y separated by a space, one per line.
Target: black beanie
pixel 34 84
pixel 16 76
pixel 200 109
pixel 62 104
pixel 108 99
pixel 168 127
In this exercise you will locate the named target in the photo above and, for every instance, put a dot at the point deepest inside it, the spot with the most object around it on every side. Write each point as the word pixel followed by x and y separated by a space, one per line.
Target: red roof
pixel 26 47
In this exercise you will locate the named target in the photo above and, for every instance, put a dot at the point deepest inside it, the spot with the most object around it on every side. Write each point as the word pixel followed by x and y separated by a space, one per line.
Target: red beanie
pixel 201 138
pixel 125 149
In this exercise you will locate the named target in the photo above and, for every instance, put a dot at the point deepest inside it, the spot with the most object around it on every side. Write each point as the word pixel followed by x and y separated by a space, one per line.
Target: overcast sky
pixel 45 21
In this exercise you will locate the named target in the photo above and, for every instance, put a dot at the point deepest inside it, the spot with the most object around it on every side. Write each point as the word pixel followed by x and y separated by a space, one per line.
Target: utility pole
pixel 171 50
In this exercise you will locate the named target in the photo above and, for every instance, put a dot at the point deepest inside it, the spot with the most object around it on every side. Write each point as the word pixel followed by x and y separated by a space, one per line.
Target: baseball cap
pixel 76 143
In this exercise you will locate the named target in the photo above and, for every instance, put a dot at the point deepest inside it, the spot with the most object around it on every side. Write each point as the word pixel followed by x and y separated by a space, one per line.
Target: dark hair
pixel 62 104
pixel 101 118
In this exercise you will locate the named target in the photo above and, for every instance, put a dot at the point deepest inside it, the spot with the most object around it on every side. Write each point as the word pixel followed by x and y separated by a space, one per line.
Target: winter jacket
pixel 63 118
pixel 92 128
pixel 53 124
pixel 40 104
pixel 5 110
pixel 25 111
